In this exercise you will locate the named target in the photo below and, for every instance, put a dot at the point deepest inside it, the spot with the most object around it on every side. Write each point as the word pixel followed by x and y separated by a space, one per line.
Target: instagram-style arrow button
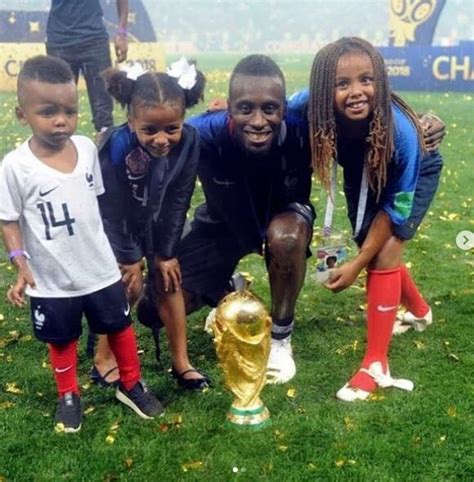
pixel 465 240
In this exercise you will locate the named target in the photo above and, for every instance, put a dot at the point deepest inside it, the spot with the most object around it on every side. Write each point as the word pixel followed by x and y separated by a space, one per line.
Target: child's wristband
pixel 122 31
pixel 18 252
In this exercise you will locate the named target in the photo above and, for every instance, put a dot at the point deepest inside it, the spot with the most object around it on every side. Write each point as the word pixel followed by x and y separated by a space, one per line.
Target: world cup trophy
pixel 242 338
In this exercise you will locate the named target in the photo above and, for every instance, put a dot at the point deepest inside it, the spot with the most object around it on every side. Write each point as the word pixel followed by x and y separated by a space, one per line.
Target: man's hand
pixel 132 278
pixel 343 277
pixel 170 272
pixel 121 46
pixel 434 131
pixel 16 294
pixel 216 105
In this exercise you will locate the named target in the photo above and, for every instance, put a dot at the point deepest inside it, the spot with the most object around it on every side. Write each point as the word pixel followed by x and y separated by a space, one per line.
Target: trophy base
pixel 255 418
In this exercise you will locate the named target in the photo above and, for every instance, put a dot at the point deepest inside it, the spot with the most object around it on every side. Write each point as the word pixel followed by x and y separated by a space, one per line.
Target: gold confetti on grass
pixel 128 462
pixel 192 465
pixel 291 392
pixel 12 337
pixel 348 348
pixel 376 397
pixel 349 424
pixel 175 421
pixel 2 318
pixel 59 427
pixel 110 439
pixel 6 405
pixel 452 411
pixel 88 410
pixel 12 388
pixel 114 427
pixel 283 448
pixel 417 440
pixel 419 344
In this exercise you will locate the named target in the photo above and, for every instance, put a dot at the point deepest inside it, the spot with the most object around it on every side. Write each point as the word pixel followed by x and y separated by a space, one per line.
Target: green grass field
pixel 425 435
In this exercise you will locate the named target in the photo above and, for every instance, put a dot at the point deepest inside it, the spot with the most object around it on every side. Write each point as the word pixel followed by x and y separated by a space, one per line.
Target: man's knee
pixel 288 237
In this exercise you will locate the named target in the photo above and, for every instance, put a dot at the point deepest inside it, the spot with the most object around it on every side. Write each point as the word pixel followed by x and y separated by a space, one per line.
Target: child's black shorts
pixel 59 320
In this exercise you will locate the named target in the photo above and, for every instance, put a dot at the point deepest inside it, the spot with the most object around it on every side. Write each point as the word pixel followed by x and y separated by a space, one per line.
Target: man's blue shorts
pixel 59 320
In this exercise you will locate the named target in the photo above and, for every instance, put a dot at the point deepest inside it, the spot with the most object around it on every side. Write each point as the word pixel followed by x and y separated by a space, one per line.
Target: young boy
pixel 54 236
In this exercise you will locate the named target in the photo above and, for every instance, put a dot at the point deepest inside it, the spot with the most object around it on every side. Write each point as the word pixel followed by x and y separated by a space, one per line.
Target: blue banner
pixel 431 68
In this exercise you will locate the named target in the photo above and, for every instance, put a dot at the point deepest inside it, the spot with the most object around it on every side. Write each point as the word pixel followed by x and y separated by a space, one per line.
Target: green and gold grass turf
pixel 425 435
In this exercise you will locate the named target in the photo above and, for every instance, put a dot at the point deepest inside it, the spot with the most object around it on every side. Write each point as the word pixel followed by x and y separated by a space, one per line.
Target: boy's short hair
pixel 45 68
pixel 257 65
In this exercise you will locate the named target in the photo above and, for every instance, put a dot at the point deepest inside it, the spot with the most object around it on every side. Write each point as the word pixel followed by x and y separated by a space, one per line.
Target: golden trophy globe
pixel 241 329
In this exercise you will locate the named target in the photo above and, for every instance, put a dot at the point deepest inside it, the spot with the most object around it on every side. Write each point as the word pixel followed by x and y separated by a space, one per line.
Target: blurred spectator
pixel 76 33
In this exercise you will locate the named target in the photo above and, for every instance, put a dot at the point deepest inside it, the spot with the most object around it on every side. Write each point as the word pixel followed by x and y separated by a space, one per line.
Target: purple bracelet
pixel 17 252
pixel 122 31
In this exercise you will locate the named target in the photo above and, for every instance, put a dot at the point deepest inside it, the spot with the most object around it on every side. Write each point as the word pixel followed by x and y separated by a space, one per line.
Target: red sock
pixel 383 298
pixel 124 346
pixel 411 297
pixel 64 363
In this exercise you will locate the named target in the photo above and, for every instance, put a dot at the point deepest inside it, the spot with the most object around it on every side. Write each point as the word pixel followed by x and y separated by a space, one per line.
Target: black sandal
pixel 99 379
pixel 191 383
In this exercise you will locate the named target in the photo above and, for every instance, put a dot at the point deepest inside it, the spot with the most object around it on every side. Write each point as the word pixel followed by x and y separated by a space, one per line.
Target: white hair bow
pixel 184 72
pixel 134 70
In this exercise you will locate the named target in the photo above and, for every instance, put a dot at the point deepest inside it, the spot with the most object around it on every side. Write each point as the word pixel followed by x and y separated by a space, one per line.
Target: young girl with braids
pixel 389 183
pixel 149 166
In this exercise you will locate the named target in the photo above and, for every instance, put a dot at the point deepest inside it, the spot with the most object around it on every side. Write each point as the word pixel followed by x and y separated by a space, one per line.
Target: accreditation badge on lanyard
pixel 333 252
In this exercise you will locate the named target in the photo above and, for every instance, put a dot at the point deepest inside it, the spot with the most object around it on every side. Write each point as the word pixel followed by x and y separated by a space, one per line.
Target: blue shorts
pixel 59 320
pixel 426 186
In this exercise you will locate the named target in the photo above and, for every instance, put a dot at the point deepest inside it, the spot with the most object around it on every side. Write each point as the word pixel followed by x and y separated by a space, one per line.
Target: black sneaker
pixel 68 414
pixel 140 400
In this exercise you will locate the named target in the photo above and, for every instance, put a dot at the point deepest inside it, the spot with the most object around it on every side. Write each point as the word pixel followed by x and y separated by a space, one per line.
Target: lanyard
pixel 364 189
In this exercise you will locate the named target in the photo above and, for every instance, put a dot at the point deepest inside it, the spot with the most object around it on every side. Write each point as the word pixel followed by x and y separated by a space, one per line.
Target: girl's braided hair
pixel 322 120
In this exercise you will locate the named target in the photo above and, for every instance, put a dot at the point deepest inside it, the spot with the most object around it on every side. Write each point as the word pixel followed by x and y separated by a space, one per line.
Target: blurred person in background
pixel 76 33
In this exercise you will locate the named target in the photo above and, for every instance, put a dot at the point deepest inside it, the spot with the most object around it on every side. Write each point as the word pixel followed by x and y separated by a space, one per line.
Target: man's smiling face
pixel 256 106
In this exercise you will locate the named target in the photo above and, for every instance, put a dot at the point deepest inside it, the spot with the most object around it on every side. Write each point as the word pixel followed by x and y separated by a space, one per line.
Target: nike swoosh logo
pixel 386 308
pixel 45 193
pixel 62 370
pixel 223 183
pixel 126 311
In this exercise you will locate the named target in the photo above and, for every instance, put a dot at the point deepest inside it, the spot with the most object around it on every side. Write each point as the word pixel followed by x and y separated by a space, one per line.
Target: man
pixel 256 175
pixel 76 33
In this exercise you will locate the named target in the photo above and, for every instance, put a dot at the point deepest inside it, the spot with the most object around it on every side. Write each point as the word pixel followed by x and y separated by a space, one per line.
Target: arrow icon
pixel 465 240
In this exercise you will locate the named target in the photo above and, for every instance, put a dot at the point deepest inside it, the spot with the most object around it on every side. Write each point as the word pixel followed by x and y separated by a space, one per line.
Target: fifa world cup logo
pixel 406 16
pixel 242 338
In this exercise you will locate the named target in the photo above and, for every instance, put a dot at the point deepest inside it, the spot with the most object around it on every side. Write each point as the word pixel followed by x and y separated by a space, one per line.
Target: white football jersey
pixel 60 221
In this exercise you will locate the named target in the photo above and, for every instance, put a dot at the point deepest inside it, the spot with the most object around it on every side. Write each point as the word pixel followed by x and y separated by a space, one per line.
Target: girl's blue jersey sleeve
pixel 398 195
